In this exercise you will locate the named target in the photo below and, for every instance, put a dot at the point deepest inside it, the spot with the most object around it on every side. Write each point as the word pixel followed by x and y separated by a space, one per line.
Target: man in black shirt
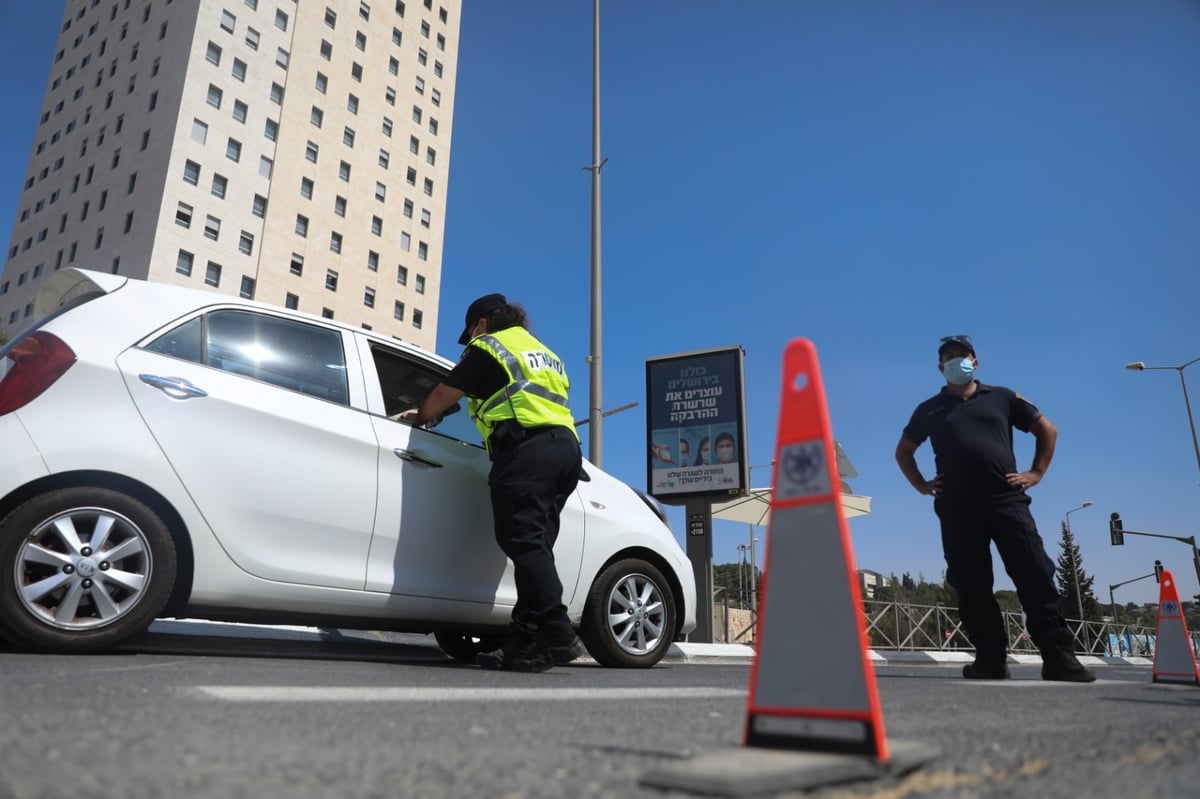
pixel 980 498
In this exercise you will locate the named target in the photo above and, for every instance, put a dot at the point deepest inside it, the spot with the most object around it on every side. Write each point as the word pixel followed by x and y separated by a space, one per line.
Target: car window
pixel 283 352
pixel 405 382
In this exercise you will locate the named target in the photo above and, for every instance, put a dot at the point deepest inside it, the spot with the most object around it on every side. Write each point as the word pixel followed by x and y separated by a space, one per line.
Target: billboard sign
pixel 696 424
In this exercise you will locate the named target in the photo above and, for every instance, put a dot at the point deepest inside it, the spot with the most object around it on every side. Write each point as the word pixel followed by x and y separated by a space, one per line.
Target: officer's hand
pixel 1023 480
pixel 931 487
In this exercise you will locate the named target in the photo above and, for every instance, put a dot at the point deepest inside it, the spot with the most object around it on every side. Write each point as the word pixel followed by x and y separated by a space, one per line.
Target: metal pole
pixel 1195 556
pixel 1112 601
pixel 1187 404
pixel 1075 573
pixel 753 577
pixel 596 393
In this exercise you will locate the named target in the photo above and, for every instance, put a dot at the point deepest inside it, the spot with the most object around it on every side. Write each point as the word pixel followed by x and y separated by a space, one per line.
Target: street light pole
pixel 1115 586
pixel 1075 564
pixel 753 541
pixel 1139 366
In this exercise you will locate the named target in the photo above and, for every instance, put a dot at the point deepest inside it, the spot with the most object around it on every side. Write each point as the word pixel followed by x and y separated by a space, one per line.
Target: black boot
pixel 562 642
pixel 986 669
pixel 1061 665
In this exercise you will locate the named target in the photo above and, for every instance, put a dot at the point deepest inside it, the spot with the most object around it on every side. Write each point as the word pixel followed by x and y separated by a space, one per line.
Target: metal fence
pixel 903 626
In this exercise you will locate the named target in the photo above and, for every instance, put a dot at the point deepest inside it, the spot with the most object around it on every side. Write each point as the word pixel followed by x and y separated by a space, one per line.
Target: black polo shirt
pixel 973 442
pixel 477 374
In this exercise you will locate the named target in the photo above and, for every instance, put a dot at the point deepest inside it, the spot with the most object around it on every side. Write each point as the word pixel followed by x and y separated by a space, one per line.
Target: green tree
pixel 1070 566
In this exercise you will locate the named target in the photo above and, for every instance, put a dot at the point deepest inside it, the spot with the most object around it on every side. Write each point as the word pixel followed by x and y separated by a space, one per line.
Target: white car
pixel 172 452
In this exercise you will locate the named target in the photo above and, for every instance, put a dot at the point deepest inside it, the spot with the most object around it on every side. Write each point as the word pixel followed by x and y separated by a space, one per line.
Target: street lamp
pixel 1138 366
pixel 1075 573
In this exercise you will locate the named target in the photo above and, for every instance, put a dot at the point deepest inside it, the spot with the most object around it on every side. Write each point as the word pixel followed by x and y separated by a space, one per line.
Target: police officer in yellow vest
pixel 516 391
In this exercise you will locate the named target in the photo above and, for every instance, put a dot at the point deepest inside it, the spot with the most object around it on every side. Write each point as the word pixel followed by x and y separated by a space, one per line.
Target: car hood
pixel 70 285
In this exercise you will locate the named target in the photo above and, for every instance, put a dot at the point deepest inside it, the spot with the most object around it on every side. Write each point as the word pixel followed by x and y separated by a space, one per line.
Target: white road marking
pixel 300 693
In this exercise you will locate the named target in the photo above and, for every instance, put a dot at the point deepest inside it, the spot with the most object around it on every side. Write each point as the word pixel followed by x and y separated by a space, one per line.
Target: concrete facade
pixel 294 152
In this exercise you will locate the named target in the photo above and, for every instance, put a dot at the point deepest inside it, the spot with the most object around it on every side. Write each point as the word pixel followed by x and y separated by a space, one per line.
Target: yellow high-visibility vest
pixel 536 393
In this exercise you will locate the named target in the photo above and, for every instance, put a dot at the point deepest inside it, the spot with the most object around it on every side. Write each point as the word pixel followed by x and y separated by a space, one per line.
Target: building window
pixel 414 145
pixel 348 137
pixel 281 20
pixel 183 215
pixel 364 10
pixel 356 71
pixel 281 58
pixel 369 297
pixel 405 241
pixel 316 116
pixel 259 207
pixel 408 208
pixel 335 242
pixel 380 191
pixel 430 155
pixel 384 158
pixel 227 21
pixel 302 225
pixel 387 127
pixel 326 50
pixel 322 83
pixel 419 285
pixel 212 274
pixel 214 96
pixel 419 85
pixel 239 111
pixel 219 186
pixel 422 56
pixel 306 188
pixel 402 275
pixel 199 131
pixel 344 171
pixel 271 130
pixel 352 103
pixel 339 206
pixel 213 54
pixel 291 301
pixel 398 311
pixel 247 290
pixel 433 126
pixel 394 65
pixel 297 265
pixel 425 217
pixel 233 150
pixel 331 17
pixel 246 243
pixel 373 261
pixel 276 94
pixel 410 176
pixel 428 187
pixel 239 70
pixel 360 41
pixel 252 38
pixel 331 278
pixel 389 96
pixel 377 225
pixel 183 263
pixel 265 166
pixel 311 151
pixel 435 97
pixel 423 254
pixel 212 228
pixel 417 319
pixel 326 313
pixel 416 116
pixel 191 173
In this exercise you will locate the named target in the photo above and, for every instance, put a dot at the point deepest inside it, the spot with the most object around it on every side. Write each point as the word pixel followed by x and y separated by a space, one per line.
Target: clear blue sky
pixel 868 175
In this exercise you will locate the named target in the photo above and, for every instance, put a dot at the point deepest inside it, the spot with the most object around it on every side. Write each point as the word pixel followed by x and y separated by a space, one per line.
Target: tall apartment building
pixel 296 152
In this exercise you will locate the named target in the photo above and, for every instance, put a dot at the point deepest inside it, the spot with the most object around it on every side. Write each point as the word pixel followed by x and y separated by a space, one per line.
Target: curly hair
pixel 509 316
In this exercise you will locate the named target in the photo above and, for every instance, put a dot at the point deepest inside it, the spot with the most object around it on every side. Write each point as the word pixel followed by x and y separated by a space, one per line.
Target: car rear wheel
pixel 465 647
pixel 629 619
pixel 82 569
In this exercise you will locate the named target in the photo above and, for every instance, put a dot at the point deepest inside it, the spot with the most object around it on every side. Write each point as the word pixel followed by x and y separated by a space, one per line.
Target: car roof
pixel 69 285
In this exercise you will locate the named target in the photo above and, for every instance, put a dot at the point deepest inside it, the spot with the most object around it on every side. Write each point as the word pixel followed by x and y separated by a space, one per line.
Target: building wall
pixel 190 123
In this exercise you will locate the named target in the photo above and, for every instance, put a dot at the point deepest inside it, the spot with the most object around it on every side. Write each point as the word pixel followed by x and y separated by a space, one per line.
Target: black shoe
pixel 1060 665
pixel 565 653
pixel 514 656
pixel 984 670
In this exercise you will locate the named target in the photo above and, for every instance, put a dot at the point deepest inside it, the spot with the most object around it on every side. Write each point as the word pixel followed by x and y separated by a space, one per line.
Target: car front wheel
pixel 629 619
pixel 82 569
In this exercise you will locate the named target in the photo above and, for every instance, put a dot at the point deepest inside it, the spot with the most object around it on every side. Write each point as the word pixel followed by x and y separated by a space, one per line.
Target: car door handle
pixel 413 457
pixel 175 387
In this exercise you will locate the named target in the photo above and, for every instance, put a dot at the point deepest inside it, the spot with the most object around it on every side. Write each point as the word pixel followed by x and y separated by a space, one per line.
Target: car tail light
pixel 33 364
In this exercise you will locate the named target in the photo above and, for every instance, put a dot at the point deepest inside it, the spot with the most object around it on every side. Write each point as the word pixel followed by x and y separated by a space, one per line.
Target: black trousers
pixel 967 535
pixel 530 482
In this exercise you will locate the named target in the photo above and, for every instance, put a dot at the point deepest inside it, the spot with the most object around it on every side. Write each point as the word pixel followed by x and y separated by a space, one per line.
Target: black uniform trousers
pixel 530 481
pixel 967 534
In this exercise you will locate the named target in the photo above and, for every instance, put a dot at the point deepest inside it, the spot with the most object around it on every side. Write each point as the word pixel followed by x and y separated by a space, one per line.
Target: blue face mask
pixel 959 371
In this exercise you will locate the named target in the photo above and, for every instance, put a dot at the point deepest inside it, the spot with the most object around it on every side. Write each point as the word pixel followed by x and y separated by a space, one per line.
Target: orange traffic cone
pixel 1174 660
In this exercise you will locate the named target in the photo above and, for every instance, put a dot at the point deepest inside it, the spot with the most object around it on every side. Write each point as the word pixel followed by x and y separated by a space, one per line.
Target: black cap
pixel 963 341
pixel 479 309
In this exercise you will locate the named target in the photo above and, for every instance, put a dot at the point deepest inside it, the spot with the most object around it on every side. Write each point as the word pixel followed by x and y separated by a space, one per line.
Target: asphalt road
pixel 375 716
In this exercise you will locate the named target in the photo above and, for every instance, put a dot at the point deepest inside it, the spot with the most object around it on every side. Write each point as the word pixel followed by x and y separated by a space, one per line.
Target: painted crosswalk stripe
pixel 286 693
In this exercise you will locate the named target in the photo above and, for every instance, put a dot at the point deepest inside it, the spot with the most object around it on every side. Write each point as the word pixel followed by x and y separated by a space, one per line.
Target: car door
pixel 254 412
pixel 433 531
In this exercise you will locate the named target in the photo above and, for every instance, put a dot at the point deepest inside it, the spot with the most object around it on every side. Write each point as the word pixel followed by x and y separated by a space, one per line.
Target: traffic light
pixel 1115 529
pixel 1158 571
